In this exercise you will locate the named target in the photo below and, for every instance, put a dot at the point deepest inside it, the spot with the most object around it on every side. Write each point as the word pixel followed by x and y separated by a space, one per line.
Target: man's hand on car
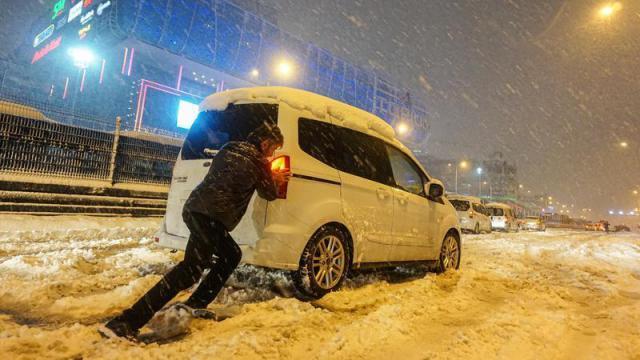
pixel 280 177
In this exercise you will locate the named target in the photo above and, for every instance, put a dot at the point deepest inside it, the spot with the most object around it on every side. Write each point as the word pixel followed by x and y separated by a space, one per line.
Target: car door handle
pixel 207 164
pixel 382 194
pixel 402 199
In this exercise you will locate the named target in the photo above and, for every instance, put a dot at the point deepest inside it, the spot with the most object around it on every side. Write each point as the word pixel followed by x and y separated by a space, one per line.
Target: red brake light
pixel 280 164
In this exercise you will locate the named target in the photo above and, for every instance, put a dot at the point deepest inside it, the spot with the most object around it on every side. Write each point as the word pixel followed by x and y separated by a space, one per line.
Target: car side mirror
pixel 435 191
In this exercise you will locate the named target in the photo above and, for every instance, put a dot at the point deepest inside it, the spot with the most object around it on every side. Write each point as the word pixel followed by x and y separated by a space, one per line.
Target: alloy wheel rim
pixel 328 262
pixel 450 253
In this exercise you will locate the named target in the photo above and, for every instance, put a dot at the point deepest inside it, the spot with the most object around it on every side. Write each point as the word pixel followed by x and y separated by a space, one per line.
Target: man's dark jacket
pixel 237 170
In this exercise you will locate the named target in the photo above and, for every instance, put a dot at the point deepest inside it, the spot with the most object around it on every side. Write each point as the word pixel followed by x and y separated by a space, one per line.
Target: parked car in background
pixel 533 223
pixel 472 215
pixel 619 228
pixel 502 217
pixel 597 226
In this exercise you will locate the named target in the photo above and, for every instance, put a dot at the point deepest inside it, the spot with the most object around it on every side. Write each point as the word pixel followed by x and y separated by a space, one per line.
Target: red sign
pixel 46 50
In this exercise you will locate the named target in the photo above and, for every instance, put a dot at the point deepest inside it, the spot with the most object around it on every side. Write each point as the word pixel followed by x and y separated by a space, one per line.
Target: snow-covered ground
pixel 559 294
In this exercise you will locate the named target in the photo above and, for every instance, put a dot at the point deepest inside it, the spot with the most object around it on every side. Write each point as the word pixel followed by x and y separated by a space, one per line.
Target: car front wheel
pixel 324 263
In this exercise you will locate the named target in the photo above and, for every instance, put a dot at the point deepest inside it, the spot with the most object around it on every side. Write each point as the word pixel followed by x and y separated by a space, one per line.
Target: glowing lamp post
pixel 608 10
pixel 402 129
pixel 479 172
pixel 462 165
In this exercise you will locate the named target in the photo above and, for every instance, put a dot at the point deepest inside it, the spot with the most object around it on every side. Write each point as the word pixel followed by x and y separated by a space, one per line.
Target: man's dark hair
pixel 264 132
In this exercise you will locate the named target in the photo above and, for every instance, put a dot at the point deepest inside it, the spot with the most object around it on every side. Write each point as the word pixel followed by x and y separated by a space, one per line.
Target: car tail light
pixel 281 164
pixel 157 239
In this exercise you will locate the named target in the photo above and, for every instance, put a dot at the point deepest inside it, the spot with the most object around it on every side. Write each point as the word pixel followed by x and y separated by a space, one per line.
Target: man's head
pixel 267 138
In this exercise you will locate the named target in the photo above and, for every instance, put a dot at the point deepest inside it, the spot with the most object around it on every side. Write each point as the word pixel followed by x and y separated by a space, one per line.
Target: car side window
pixel 364 155
pixel 346 150
pixel 405 173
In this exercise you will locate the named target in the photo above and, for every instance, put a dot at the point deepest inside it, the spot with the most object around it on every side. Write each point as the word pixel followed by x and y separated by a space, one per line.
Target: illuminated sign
pixel 40 38
pixel 187 114
pixel 82 33
pixel 87 17
pixel 75 11
pixel 58 8
pixel 46 50
pixel 103 6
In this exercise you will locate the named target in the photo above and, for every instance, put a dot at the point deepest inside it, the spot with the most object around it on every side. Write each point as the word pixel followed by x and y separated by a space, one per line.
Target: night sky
pixel 549 83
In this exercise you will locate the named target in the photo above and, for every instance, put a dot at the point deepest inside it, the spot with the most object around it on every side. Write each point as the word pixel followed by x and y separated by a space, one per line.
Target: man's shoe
pixel 196 312
pixel 117 329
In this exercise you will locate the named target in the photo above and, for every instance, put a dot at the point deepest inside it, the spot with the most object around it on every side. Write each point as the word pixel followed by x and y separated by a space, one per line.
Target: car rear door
pixel 210 131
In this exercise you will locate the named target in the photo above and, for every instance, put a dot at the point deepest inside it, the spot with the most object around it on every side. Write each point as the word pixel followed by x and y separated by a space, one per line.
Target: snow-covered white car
pixel 533 223
pixel 471 213
pixel 357 197
pixel 502 217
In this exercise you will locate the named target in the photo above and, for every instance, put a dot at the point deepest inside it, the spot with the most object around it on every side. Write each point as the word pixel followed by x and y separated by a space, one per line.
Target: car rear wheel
pixel 324 263
pixel 449 254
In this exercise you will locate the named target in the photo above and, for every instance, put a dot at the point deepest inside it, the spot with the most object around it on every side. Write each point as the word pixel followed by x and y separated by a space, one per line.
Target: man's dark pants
pixel 208 238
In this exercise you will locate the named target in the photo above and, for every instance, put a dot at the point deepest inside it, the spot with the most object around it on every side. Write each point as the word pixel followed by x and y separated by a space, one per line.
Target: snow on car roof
pixel 498 205
pixel 320 106
pixel 463 197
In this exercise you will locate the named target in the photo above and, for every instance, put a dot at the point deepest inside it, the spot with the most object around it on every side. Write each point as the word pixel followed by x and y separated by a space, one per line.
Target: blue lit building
pixel 150 55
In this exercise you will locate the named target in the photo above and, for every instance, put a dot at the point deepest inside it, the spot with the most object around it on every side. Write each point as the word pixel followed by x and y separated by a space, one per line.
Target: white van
pixel 502 217
pixel 357 196
pixel 473 216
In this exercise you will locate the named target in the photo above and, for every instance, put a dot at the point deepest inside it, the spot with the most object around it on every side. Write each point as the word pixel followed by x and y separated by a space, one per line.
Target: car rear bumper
pixel 274 250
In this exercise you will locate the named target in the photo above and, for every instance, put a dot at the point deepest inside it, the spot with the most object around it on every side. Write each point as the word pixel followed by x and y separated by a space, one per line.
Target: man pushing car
pixel 213 209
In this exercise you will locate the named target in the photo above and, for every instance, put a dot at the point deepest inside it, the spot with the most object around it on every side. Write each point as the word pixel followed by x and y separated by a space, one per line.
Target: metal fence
pixel 44 147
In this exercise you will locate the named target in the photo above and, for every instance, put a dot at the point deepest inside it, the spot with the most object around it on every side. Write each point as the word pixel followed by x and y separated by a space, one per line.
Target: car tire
pixel 446 262
pixel 324 263
pixel 476 230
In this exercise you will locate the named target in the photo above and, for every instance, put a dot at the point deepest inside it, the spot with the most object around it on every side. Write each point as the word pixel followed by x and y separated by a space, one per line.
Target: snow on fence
pixel 45 147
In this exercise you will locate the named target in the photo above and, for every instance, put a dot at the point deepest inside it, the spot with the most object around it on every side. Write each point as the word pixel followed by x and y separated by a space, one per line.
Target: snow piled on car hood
pixel 559 294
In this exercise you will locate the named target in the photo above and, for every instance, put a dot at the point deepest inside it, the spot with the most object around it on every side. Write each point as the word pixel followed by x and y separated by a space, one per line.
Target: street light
pixel 463 165
pixel 284 69
pixel 479 172
pixel 609 10
pixel 82 57
pixel 402 128
pixel 255 73
pixel 624 144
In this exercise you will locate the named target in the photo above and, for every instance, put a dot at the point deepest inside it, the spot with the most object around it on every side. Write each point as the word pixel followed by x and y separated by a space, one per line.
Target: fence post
pixel 114 151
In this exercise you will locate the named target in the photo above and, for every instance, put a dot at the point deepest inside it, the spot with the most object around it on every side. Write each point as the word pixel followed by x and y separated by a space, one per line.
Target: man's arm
pixel 266 186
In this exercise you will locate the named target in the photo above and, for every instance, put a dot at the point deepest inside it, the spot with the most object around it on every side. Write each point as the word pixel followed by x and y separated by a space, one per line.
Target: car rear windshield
pixel 460 205
pixel 213 129
pixel 496 212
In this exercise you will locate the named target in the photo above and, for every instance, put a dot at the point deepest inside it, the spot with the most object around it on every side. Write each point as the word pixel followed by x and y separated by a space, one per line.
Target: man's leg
pixel 228 256
pixel 198 256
